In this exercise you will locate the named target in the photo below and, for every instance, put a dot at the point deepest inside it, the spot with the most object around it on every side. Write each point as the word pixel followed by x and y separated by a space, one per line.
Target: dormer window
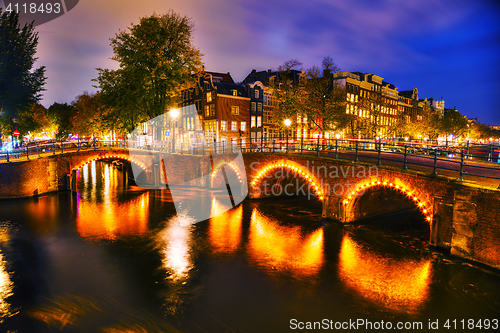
pixel 256 93
pixel 235 92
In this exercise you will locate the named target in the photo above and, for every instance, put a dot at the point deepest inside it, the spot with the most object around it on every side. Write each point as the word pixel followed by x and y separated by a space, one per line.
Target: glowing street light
pixel 287 124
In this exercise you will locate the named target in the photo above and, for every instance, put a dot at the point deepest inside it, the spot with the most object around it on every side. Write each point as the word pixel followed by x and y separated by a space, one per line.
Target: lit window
pixel 235 92
pixel 270 101
pixel 207 111
pixel 254 107
pixel 209 96
pixel 265 99
pixel 259 121
pixel 256 93
pixel 234 126
pixel 252 121
pixel 212 109
pixel 243 126
pixel 259 107
pixel 235 110
pixel 223 126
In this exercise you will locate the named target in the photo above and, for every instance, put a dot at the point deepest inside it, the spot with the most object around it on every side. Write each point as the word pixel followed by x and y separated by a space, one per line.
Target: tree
pixel 286 92
pixel 20 84
pixel 157 59
pixel 453 123
pixel 323 102
pixel 61 114
pixel 90 116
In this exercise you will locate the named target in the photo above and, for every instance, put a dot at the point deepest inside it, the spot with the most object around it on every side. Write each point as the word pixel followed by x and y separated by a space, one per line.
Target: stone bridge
pixel 462 218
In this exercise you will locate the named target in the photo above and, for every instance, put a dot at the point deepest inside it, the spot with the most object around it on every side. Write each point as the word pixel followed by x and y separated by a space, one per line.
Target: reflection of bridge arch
pixel 296 168
pixel 118 156
pixel 349 199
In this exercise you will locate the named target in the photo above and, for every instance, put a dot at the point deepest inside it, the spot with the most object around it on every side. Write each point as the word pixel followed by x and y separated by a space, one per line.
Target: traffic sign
pixel 16 133
pixel 167 133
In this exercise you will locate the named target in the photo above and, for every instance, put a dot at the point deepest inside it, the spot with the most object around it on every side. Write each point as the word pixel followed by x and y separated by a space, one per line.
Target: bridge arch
pixel 417 197
pixel 119 156
pixel 297 170
pixel 232 166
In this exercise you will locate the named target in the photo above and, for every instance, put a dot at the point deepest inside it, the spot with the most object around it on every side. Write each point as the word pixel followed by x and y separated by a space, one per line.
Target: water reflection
pixel 176 247
pixel 107 217
pixel 6 284
pixel 284 248
pixel 224 233
pixel 400 285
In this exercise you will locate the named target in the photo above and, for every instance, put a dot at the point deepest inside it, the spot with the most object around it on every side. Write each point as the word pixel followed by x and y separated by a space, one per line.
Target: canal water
pixel 116 259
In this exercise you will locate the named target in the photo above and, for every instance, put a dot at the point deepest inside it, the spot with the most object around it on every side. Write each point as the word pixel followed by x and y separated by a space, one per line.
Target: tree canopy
pixel 157 59
pixel 20 83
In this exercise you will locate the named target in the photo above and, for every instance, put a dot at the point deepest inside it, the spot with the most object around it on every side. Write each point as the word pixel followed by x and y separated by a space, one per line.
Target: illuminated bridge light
pixel 414 197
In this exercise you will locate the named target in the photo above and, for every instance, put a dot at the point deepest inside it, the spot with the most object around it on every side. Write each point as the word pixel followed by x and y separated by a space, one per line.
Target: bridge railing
pixel 407 155
pixel 462 159
pixel 37 149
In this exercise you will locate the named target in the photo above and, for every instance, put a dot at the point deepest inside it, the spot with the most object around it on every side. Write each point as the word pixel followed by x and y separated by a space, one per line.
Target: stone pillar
pixel 333 208
pixel 440 228
pixel 74 185
pixel 464 223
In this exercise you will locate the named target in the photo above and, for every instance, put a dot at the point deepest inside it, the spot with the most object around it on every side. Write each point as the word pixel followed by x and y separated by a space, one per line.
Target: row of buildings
pixel 220 110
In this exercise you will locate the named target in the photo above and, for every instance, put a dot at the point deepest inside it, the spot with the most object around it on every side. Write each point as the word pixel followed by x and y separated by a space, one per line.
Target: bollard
pixel 336 148
pixel 302 145
pixel 356 159
pixel 434 172
pixel 405 165
pixel 317 147
pixel 461 165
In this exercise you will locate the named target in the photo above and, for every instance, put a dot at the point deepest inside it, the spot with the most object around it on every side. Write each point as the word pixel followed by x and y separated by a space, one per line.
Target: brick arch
pixel 231 165
pixel 119 156
pixel 296 168
pixel 413 193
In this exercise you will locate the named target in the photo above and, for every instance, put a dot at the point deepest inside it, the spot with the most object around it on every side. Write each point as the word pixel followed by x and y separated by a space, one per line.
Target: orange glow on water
pixel 224 233
pixel 400 285
pixel 109 220
pixel 284 248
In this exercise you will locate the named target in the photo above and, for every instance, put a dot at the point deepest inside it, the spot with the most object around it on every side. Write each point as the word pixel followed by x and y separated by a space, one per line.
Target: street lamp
pixel 174 113
pixel 287 124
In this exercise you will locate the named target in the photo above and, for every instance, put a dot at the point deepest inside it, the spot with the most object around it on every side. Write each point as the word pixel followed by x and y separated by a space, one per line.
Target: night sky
pixel 445 48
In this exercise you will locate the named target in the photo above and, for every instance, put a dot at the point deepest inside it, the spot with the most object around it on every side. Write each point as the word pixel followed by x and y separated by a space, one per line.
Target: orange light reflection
pixel 283 248
pixel 400 285
pixel 224 233
pixel 109 220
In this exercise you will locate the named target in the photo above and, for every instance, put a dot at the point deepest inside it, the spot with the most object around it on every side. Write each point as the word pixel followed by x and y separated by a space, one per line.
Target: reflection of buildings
pixel 278 248
pixel 400 285
pixel 6 284
pixel 224 233
pixel 109 218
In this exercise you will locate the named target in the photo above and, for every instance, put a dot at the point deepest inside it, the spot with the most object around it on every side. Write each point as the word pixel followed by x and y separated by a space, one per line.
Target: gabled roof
pixel 221 77
pixel 228 88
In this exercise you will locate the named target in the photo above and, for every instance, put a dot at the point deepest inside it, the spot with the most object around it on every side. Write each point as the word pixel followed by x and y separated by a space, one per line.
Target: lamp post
pixel 287 124
pixel 174 113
